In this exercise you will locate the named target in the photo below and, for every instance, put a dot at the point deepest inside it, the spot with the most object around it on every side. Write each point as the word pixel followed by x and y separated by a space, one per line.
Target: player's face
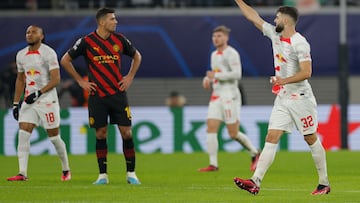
pixel 219 39
pixel 34 35
pixel 110 22
pixel 279 23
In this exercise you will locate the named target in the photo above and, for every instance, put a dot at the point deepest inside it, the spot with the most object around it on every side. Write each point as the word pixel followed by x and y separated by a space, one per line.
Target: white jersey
pixel 225 100
pixel 37 65
pixel 295 103
pixel 227 68
pixel 288 53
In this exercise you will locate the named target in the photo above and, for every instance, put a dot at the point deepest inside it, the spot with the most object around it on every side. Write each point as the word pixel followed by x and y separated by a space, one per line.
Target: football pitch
pixel 174 178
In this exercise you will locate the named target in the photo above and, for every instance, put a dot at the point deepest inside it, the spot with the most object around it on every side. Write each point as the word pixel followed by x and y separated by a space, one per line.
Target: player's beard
pixel 33 43
pixel 279 28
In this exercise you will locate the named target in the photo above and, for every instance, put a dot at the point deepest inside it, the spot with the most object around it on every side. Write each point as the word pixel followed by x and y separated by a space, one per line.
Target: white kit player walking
pixel 225 101
pixel 38 74
pixel 295 104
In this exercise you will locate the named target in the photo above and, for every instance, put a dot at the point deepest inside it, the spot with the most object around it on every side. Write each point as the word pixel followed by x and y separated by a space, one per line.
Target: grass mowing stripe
pixel 194 188
pixel 174 178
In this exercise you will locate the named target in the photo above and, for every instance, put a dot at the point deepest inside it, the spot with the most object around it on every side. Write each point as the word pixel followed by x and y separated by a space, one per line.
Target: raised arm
pixel 250 14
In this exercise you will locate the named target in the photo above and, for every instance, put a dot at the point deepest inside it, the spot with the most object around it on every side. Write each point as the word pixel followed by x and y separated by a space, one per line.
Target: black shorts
pixel 115 107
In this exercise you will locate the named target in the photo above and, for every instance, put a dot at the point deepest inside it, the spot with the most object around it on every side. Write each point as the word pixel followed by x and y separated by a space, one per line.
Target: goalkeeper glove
pixel 16 111
pixel 31 98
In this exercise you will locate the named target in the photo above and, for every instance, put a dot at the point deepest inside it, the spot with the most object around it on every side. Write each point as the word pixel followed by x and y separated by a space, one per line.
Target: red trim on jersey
pixel 288 40
pixel 33 52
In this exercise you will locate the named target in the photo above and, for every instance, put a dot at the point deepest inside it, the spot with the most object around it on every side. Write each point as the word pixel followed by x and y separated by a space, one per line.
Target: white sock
pixel 266 158
pixel 246 143
pixel 61 151
pixel 212 146
pixel 319 157
pixel 102 175
pixel 23 151
pixel 131 174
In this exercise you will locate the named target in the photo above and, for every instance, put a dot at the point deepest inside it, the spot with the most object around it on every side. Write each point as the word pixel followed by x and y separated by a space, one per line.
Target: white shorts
pixel 224 109
pixel 300 113
pixel 45 114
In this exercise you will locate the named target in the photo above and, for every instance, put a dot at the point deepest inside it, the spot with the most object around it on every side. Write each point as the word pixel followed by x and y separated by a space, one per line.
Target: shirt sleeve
pixel 53 60
pixel 302 50
pixel 234 71
pixel 128 48
pixel 78 49
pixel 19 66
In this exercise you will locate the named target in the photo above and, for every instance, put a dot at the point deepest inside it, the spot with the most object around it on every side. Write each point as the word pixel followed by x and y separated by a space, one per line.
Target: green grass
pixel 174 178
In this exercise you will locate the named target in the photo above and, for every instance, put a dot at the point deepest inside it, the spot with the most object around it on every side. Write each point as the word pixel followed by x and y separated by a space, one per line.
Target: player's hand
pixel 210 74
pixel 125 83
pixel 277 80
pixel 87 86
pixel 16 111
pixel 31 98
pixel 206 83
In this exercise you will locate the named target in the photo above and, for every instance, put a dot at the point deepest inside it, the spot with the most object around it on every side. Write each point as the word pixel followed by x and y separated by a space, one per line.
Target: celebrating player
pixel 295 103
pixel 102 50
pixel 38 73
pixel 225 101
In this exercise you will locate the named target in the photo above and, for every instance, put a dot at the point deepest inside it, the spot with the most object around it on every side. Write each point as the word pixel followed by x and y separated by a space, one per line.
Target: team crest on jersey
pixel 217 70
pixel 116 47
pixel 32 72
pixel 280 58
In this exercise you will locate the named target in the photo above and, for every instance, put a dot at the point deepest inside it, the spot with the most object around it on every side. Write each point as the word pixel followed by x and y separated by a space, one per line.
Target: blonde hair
pixel 223 29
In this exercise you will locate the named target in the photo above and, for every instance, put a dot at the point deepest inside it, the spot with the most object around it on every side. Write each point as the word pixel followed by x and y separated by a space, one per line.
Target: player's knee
pixel 233 134
pixel 310 139
pixel 53 132
pixel 125 132
pixel 211 130
pixel 273 136
pixel 28 127
pixel 101 133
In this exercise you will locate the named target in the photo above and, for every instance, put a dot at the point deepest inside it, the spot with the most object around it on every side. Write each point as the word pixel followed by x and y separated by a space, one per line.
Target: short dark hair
pixel 41 30
pixel 103 12
pixel 291 11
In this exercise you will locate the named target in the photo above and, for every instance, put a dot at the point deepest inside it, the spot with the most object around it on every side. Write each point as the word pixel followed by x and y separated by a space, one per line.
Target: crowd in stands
pixel 90 4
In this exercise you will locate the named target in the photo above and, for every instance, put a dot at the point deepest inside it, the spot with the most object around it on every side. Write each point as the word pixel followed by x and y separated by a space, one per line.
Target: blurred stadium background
pixel 174 37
